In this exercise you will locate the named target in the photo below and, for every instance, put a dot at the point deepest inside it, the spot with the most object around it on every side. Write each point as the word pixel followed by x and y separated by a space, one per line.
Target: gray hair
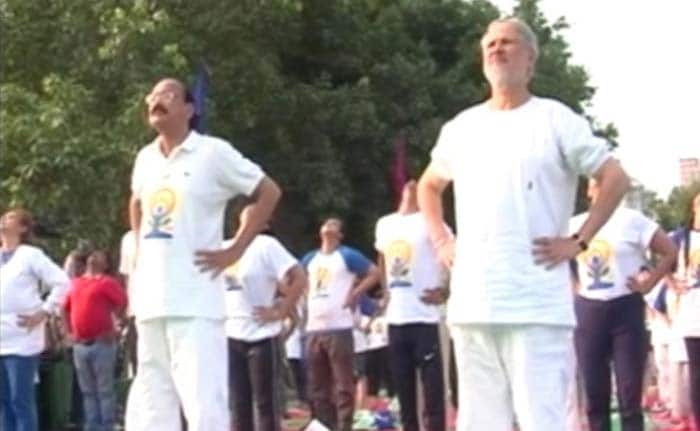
pixel 525 31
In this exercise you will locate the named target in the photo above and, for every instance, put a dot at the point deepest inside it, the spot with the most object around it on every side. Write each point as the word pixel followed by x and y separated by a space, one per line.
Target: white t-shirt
pixel 21 273
pixel 127 255
pixel 515 174
pixel 411 266
pixel 183 198
pixel 331 277
pixel 688 273
pixel 616 253
pixel 252 282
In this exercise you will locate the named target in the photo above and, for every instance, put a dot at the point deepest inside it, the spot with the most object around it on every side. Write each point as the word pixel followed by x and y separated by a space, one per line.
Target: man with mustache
pixel 515 161
pixel 180 186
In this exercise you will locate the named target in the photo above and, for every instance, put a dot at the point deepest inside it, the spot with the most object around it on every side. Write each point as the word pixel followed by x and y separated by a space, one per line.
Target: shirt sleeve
pixel 355 261
pixel 137 175
pixel 307 259
pixel 115 292
pixel 279 259
pixel 583 152
pixel 125 254
pixel 234 172
pixel 54 277
pixel 441 156
pixel 379 242
pixel 645 227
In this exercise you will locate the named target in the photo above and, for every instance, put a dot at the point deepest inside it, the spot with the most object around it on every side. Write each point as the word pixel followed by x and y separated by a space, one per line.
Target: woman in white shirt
pixel 254 322
pixel 687 281
pixel 610 311
pixel 22 316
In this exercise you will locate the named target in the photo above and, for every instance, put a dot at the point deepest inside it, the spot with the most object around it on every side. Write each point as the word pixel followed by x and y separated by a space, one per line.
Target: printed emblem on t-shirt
pixel 161 206
pixel 231 278
pixel 320 282
pixel 398 260
pixel 694 269
pixel 597 263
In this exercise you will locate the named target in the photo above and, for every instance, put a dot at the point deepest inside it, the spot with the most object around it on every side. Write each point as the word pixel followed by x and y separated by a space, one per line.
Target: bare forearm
pixel 265 200
pixel 294 286
pixel 135 215
pixel 430 202
pixel 613 183
pixel 370 280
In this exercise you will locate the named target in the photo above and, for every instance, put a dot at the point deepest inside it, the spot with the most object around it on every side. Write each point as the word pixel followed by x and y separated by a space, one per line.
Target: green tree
pixel 314 90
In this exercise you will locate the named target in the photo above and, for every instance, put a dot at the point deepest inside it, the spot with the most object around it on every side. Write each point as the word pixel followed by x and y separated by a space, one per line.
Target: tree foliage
pixel 314 90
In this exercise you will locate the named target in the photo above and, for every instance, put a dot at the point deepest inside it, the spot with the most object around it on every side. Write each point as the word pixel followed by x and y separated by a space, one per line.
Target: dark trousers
pixel 298 367
pixel 412 347
pixel 252 381
pixel 692 344
pixel 612 331
pixel 331 380
pixel 379 372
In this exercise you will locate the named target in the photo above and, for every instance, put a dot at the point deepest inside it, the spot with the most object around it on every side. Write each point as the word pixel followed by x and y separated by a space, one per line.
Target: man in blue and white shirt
pixel 338 276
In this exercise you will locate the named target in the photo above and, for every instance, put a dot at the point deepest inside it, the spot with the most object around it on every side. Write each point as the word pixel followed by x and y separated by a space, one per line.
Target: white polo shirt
pixel 183 198
pixel 411 267
pixel 252 282
pixel 616 253
pixel 331 277
pixel 515 174
pixel 20 276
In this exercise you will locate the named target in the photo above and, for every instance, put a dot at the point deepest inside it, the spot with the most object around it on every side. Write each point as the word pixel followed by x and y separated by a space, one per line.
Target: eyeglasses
pixel 165 96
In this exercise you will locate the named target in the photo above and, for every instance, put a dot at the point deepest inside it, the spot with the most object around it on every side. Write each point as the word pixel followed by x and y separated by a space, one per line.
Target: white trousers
pixel 182 362
pixel 512 371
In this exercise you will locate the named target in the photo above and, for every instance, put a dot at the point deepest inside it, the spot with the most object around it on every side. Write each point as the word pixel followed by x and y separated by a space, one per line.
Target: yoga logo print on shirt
pixel 398 260
pixel 161 206
pixel 321 280
pixel 231 278
pixel 597 263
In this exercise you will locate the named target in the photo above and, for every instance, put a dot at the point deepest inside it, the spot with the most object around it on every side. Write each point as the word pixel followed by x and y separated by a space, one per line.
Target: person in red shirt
pixel 93 301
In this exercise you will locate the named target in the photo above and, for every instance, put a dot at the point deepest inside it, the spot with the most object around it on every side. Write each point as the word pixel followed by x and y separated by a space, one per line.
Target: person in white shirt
pixel 338 276
pixel 514 161
pixel 687 282
pixel 181 184
pixel 610 310
pixel 127 253
pixel 254 321
pixel 23 314
pixel 415 283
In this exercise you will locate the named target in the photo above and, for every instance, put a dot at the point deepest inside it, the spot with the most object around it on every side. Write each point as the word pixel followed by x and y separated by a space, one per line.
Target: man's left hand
pixel 553 251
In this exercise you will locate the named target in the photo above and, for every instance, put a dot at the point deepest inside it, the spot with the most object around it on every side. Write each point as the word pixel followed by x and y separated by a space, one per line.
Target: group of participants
pixel 534 298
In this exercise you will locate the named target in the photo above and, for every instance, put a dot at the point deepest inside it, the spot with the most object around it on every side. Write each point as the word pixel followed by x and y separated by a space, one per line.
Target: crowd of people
pixel 546 313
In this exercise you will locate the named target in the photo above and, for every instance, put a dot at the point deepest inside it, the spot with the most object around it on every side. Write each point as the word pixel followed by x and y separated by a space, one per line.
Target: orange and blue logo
pixel 161 207
pixel 597 263
pixel 398 261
